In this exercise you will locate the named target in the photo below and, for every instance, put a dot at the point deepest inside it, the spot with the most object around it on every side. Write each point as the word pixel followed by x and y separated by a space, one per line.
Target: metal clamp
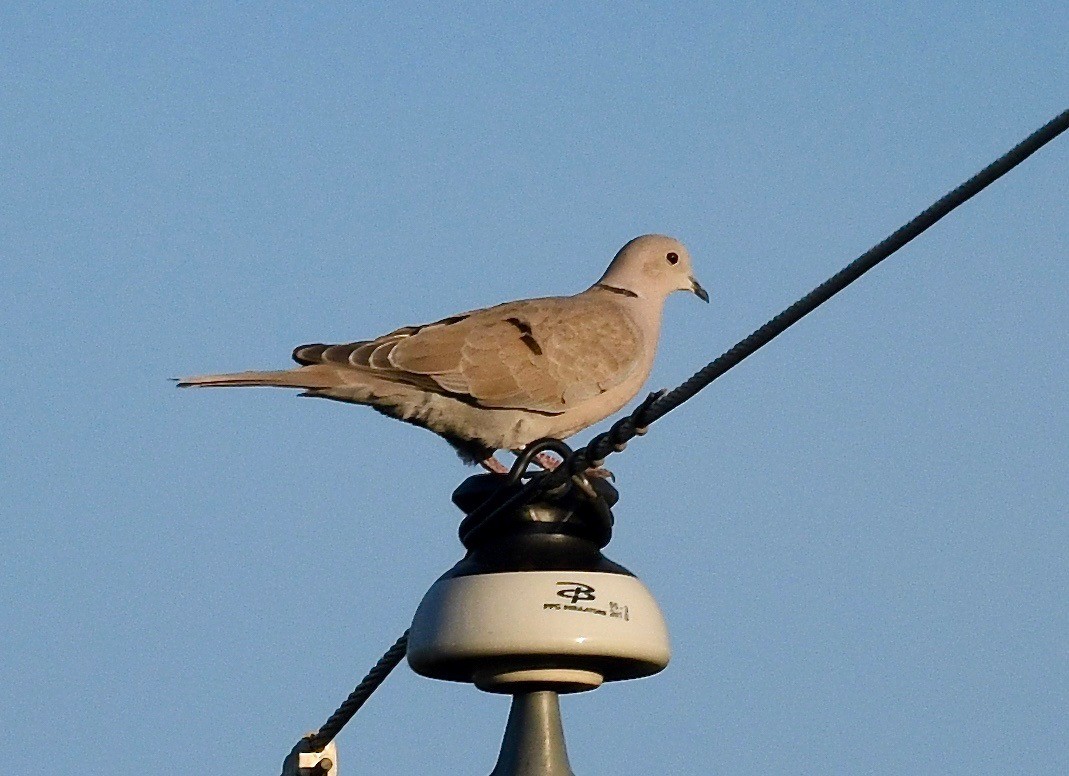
pixel 302 762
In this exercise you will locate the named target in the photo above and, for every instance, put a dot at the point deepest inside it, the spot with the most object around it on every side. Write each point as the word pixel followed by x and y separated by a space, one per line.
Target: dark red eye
pixel 672 257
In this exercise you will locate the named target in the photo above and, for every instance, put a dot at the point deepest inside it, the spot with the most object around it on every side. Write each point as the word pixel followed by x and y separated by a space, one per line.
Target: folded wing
pixel 539 355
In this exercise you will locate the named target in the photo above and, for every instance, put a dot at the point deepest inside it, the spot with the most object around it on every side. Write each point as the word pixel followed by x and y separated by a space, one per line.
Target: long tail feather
pixel 305 377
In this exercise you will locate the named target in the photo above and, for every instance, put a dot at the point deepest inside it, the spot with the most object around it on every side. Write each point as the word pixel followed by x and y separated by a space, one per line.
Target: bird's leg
pixel 494 466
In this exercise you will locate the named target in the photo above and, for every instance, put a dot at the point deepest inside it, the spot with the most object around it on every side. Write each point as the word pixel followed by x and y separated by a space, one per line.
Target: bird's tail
pixel 308 377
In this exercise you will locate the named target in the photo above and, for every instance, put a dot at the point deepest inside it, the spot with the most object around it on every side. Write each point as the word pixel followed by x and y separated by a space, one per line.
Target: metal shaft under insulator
pixel 534 738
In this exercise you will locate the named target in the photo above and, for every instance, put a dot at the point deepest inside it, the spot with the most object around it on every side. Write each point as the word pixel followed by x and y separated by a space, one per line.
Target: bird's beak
pixel 699 292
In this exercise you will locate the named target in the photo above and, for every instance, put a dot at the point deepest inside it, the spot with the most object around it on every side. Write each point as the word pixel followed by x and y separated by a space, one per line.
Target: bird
pixel 501 377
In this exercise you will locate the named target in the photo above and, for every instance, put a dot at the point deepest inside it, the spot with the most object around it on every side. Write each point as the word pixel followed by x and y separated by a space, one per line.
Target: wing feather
pixel 541 355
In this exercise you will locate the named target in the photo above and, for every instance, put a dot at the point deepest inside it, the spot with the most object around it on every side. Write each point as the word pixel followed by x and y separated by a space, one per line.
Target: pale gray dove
pixel 501 377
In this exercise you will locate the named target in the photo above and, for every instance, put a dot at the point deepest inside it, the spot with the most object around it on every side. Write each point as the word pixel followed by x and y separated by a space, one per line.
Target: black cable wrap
pixel 659 404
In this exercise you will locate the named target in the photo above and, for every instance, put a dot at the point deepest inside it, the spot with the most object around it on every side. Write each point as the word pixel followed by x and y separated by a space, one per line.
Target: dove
pixel 501 377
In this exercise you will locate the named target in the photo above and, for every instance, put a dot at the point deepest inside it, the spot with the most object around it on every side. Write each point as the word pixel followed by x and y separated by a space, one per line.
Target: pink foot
pixel 494 466
pixel 547 461
pixel 601 473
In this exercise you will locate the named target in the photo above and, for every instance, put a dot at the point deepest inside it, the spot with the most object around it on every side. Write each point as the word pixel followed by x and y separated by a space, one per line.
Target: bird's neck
pixel 645 311
pixel 619 290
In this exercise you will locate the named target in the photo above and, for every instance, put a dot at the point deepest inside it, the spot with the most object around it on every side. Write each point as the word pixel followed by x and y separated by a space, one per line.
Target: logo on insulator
pixel 576 592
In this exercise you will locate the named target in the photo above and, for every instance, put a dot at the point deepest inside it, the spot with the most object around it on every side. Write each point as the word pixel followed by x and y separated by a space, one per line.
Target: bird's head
pixel 652 267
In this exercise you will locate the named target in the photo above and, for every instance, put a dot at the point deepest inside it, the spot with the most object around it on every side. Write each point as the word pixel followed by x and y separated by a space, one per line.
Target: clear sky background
pixel 859 536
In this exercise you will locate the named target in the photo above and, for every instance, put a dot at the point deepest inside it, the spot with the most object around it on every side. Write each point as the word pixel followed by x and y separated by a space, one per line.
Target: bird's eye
pixel 672 257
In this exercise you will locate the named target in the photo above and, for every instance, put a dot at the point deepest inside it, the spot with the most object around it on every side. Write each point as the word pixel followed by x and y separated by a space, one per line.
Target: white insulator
pixel 570 630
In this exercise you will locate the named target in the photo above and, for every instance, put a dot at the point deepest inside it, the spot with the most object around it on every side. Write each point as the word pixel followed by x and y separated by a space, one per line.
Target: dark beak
pixel 699 292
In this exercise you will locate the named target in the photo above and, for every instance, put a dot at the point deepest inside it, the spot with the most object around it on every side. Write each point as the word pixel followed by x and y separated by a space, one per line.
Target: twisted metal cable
pixel 657 406
pixel 857 268
pixel 359 696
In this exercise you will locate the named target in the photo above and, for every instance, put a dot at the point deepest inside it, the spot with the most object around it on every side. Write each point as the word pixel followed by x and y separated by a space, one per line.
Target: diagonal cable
pixel 657 405
pixel 376 676
pixel 624 430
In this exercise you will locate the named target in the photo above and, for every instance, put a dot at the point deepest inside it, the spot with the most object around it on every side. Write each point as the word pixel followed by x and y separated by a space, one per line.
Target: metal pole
pixel 534 738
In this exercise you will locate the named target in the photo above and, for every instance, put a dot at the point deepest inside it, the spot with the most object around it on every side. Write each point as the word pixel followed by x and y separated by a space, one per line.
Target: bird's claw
pixel 601 473
pixel 494 466
pixel 549 463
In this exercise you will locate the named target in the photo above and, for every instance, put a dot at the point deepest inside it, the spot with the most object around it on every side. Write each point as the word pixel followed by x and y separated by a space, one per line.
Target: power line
pixel 657 405
pixel 375 677
pixel 649 411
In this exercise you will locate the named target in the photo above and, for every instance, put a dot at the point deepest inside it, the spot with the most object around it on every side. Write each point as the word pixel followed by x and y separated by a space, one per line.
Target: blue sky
pixel 859 536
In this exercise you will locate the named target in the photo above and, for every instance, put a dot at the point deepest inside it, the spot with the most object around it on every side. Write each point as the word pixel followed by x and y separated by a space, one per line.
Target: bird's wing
pixel 539 355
